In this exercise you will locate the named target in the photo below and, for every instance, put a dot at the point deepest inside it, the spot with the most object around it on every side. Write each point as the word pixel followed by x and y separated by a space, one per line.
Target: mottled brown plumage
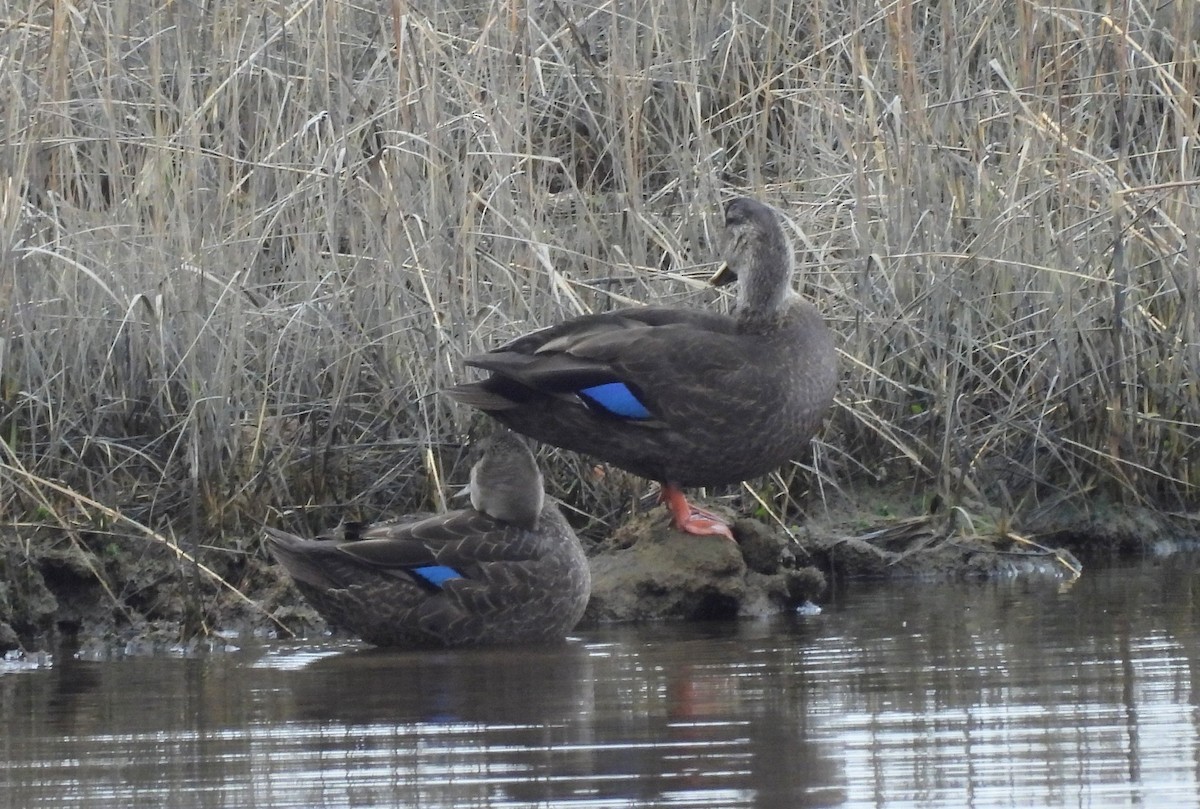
pixel 507 570
pixel 706 398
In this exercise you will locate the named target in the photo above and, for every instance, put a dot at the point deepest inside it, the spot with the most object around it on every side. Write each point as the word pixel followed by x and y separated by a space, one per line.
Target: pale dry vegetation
pixel 245 244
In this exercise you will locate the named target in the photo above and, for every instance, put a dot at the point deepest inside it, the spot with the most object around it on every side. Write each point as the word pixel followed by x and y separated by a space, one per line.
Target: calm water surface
pixel 997 695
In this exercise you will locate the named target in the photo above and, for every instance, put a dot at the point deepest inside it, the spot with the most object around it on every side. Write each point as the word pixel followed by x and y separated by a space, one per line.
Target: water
pixel 999 695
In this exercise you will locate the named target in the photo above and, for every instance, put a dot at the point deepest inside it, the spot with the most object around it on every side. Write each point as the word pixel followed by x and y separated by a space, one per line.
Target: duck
pixel 509 569
pixel 687 397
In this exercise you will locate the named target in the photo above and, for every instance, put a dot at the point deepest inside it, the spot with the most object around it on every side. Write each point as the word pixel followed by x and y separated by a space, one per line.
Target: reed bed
pixel 245 244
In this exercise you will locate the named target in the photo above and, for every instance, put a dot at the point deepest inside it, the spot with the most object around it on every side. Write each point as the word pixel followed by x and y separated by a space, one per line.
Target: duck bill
pixel 724 275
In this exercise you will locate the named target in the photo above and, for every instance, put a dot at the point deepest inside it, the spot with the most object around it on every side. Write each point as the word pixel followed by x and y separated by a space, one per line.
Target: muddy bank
pixel 121 591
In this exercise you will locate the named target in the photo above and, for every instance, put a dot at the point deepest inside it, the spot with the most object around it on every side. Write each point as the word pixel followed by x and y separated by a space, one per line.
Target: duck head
pixel 759 256
pixel 506 483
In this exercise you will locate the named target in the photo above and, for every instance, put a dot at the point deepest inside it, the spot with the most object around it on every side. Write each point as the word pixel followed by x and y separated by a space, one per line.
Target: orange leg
pixel 690 519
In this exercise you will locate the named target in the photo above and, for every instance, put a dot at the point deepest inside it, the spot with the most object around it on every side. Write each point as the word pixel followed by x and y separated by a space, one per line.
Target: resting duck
pixel 509 569
pixel 686 397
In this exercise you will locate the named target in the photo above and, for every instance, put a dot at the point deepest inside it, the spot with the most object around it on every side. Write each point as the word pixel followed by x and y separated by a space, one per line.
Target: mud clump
pixel 28 605
pixel 648 571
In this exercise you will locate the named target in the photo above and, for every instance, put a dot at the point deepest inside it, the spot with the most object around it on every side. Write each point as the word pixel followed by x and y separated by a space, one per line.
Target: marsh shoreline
pixel 125 594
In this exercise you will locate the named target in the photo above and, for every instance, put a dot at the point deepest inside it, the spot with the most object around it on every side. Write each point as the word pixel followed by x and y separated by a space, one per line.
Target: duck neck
pixel 765 295
pixel 759 319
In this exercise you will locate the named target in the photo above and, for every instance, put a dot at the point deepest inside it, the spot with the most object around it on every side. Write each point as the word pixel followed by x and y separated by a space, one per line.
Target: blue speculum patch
pixel 437 575
pixel 617 399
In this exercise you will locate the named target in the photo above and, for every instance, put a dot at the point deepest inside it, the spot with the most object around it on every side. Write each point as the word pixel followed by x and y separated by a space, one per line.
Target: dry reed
pixel 245 244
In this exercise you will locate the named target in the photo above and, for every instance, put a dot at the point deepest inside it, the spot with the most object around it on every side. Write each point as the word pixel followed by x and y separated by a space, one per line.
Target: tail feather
pixel 476 395
pixel 301 558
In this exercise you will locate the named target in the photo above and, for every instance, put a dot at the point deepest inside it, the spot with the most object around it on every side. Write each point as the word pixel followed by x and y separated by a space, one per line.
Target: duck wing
pixel 465 544
pixel 647 365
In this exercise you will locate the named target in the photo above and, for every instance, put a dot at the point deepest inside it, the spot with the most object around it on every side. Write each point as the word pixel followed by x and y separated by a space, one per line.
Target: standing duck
pixel 509 569
pixel 686 397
